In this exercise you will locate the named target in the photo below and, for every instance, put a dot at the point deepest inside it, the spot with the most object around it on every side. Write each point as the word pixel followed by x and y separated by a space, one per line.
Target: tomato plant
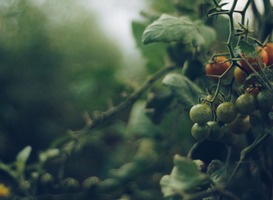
pixel 217 115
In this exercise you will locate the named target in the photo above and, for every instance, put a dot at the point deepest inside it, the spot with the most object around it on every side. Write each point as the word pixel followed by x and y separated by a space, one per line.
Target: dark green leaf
pixel 186 91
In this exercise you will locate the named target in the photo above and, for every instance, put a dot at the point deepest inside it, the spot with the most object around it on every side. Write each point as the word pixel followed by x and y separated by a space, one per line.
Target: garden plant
pixel 200 127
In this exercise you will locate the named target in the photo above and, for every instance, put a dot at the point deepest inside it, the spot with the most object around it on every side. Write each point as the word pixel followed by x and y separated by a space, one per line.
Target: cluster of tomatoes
pixel 212 120
pixel 262 58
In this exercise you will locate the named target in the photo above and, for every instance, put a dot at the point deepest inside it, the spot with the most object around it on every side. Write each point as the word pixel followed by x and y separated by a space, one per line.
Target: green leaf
pixel 139 123
pixel 246 47
pixel 22 158
pixel 184 178
pixel 208 34
pixel 154 54
pixel 176 29
pixel 185 90
pixel 218 173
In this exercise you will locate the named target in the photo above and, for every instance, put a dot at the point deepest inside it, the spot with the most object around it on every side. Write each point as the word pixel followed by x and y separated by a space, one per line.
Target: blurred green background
pixel 62 59
pixel 55 63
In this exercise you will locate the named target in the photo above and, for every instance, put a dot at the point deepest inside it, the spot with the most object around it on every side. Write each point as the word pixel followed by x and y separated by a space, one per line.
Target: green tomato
pixel 201 113
pixel 71 185
pixel 265 100
pixel 216 131
pixel 200 131
pixel 246 104
pixel 226 112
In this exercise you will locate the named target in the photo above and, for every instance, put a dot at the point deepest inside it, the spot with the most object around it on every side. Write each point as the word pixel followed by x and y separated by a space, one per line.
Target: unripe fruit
pixel 200 131
pixel 239 75
pixel 71 184
pixel 216 132
pixel 265 100
pixel 201 113
pixel 90 182
pixel 226 112
pixel 246 104
pixel 47 179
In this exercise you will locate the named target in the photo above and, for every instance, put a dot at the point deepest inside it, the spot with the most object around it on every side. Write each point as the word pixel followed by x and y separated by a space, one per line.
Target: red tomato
pixel 217 67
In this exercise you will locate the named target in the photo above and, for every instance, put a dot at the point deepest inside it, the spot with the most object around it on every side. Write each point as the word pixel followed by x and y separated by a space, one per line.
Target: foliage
pixel 125 152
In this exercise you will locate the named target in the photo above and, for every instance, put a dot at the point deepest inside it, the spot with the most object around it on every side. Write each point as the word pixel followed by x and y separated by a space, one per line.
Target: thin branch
pixel 243 14
pixel 245 153
pixel 267 7
pixel 104 116
pixel 212 192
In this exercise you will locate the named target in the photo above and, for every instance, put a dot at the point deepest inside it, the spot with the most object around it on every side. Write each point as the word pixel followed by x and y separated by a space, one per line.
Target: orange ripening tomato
pixel 269 50
pixel 239 75
pixel 261 59
pixel 217 67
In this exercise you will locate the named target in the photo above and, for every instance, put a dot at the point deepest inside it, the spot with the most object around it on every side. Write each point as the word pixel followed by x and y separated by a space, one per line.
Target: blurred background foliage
pixel 55 63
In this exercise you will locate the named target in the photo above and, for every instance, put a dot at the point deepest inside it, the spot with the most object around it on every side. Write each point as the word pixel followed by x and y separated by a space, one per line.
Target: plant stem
pixel 245 152
pixel 211 192
pixel 104 116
